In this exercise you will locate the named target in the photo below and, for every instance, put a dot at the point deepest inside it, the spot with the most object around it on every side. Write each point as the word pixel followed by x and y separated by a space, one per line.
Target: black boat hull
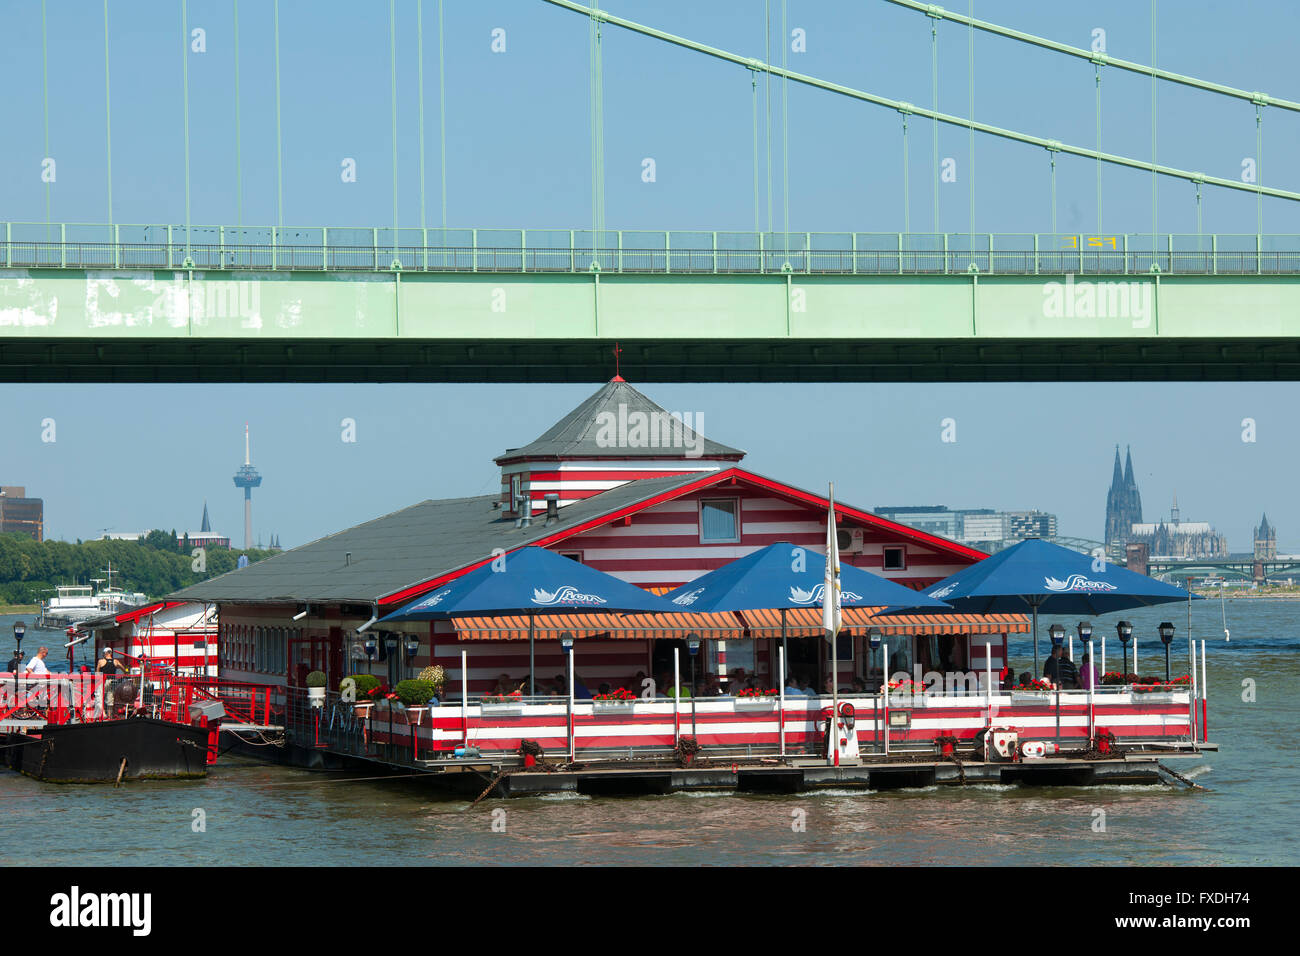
pixel 93 752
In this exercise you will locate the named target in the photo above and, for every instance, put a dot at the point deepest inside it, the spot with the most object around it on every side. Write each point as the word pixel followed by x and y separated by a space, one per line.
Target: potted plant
pixel 362 690
pixel 686 749
pixel 906 692
pixel 947 744
pixel 1032 691
pixel 619 701
pixel 436 676
pixel 507 704
pixel 415 695
pixel 316 689
pixel 754 698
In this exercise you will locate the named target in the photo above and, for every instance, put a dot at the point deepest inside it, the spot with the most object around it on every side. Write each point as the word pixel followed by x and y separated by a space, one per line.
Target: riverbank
pixel 1288 594
pixel 19 608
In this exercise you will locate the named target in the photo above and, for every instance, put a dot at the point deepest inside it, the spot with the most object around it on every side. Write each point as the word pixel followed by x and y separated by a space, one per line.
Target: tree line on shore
pixel 155 565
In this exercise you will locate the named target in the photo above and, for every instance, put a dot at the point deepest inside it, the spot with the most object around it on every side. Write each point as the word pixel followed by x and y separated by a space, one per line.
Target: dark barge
pixel 104 751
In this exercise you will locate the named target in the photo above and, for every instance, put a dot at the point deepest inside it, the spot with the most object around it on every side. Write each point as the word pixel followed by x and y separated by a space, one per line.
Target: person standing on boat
pixel 108 665
pixel 1087 673
pixel 37 664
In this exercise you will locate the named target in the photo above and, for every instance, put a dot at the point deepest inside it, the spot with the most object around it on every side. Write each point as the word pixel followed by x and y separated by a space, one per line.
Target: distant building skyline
pixel 976 527
pixel 20 514
pixel 1123 503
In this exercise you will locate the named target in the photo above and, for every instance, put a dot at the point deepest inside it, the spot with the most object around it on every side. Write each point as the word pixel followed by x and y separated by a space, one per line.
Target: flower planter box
pixel 613 706
pixel 316 696
pixel 509 708
pixel 756 703
pixel 412 715
pixel 1033 697
pixel 1158 697
pixel 906 701
pixel 362 710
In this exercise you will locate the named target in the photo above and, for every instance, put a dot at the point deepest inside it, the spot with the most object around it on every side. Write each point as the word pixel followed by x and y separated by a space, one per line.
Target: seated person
pixel 580 691
pixel 505 686
pixel 604 688
pixel 792 688
pixel 859 686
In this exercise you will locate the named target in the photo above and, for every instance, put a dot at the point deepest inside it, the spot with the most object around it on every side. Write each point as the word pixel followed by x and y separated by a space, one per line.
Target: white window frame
pixel 739 529
pixel 884 557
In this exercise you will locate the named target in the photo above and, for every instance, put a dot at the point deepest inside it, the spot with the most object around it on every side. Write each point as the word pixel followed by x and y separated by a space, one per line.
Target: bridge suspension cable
pixel 108 120
pixel 947 119
pixel 1103 58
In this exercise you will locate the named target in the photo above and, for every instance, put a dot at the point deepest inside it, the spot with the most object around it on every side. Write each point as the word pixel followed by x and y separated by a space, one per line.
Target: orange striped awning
pixel 549 627
pixel 800 622
pixel 807 622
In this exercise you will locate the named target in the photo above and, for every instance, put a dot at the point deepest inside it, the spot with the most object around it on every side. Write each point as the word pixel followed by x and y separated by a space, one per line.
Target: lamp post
pixel 412 647
pixel 1166 637
pixel 1085 637
pixel 1125 631
pixel 873 641
pixel 693 645
pixel 19 630
pixel 566 642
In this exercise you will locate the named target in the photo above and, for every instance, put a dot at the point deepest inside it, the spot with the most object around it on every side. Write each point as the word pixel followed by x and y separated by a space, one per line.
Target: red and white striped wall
pixel 728 723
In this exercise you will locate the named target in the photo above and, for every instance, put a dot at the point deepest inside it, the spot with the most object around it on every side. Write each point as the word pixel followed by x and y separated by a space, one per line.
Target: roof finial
pixel 617 352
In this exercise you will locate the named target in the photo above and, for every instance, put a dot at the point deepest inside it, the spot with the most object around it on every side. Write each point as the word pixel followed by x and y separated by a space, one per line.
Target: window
pixel 719 521
pixel 516 489
pixel 895 559
pixel 572 555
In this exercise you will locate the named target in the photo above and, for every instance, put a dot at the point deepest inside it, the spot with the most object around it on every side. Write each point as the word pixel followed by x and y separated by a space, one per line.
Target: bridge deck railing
pixel 354 249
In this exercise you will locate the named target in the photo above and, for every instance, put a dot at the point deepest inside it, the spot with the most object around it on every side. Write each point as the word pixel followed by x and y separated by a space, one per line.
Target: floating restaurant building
pixel 629 489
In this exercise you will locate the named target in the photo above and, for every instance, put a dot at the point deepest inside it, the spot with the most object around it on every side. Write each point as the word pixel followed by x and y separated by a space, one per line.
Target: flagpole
pixel 831 618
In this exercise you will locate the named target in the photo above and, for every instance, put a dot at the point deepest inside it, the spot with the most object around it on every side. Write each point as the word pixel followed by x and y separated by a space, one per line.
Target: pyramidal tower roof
pixel 620 422
pixel 207 525
pixel 1117 479
pixel 1128 464
pixel 1263 526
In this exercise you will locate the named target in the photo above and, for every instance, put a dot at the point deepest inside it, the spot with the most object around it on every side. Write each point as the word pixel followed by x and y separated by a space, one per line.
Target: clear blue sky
pixel 518 156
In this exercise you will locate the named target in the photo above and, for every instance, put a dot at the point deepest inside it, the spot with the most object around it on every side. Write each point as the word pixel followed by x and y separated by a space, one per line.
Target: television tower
pixel 248 479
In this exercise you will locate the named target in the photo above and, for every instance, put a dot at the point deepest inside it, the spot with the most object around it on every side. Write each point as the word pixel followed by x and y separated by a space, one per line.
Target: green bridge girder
pixel 895 317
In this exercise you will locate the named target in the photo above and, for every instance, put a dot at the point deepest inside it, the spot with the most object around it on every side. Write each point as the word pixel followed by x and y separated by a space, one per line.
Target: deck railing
pixel 359 249
pixel 727 727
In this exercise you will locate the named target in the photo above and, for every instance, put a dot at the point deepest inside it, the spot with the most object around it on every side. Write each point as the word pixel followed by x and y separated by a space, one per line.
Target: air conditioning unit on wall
pixel 850 540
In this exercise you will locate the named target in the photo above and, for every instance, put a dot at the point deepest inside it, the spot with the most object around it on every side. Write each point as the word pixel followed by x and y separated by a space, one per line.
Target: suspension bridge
pixel 181 301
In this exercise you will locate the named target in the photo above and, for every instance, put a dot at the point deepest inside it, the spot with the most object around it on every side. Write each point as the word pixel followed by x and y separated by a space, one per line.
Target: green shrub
pixel 415 693
pixel 365 683
pixel 316 679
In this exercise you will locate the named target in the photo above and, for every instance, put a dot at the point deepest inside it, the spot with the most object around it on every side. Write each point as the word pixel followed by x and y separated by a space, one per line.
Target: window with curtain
pixel 719 520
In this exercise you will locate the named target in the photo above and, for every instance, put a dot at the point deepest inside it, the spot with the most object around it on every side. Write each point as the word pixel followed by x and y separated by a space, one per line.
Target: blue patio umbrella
pixel 783 576
pixel 1038 574
pixel 531 581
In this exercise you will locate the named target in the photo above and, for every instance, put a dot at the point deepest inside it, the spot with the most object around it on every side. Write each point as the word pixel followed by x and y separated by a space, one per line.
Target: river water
pixel 254 813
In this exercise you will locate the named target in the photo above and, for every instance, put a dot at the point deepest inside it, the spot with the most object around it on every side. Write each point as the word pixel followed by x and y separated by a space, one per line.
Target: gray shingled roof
pixel 405 548
pixel 575 435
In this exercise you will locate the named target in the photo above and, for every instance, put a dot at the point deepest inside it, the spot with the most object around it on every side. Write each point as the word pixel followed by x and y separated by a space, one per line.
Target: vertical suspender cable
pixel 1198 216
pixel 767 99
pixel 1052 175
pixel 1097 72
pixel 239 146
pixel 753 83
pixel 185 83
pixel 970 57
pixel 442 120
pixel 108 124
pixel 1154 125
pixel 392 97
pixel 419 32
pixel 279 139
pixel 907 193
pixel 934 88
pixel 1259 175
pixel 45 106
pixel 596 85
pixel 785 128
